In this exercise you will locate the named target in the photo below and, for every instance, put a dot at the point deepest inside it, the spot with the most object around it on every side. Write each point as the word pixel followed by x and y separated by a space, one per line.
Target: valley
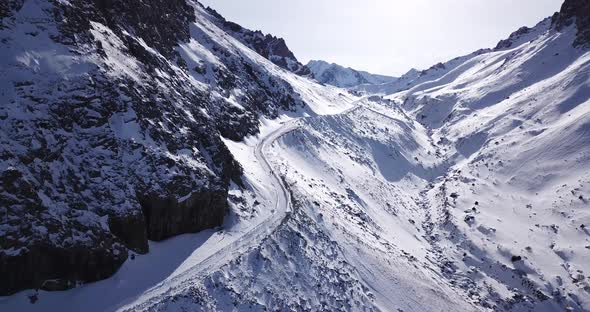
pixel 214 172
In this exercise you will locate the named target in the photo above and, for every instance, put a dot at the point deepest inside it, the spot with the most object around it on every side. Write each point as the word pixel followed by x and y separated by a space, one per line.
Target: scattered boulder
pixel 33 298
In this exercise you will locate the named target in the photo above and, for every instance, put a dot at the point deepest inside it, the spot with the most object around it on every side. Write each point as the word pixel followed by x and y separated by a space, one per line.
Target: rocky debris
pixel 578 12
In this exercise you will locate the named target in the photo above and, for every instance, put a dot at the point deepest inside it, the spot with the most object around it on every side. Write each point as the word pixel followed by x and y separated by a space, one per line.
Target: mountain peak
pixel 575 11
pixel 344 77
pixel 271 47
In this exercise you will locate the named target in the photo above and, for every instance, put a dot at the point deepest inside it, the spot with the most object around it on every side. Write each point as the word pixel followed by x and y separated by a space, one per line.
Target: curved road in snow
pixel 131 291
pixel 240 244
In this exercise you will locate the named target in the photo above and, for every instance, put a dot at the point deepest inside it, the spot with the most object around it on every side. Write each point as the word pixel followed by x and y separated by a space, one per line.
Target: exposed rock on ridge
pixel 577 11
pixel 273 48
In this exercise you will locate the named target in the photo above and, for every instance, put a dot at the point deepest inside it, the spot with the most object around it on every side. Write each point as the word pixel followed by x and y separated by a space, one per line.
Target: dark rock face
pixel 49 267
pixel 507 43
pixel 7 7
pixel 96 151
pixel 166 217
pixel 160 23
pixel 577 11
pixel 131 229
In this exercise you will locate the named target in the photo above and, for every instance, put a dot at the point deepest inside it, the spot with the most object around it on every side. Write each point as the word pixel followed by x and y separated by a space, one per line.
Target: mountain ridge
pixel 273 48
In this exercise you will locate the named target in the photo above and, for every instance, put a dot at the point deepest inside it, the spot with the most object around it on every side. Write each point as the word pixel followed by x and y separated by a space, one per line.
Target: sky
pixel 386 36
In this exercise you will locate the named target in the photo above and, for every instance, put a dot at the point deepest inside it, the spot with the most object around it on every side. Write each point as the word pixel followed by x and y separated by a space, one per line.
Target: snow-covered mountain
pixel 465 189
pixel 112 120
pixel 344 77
pixel 415 77
pixel 511 126
pixel 372 84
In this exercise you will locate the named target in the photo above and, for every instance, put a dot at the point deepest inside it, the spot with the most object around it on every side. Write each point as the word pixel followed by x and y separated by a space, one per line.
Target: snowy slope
pixel 480 177
pixel 471 196
pixel 336 75
pixel 511 214
pixel 414 77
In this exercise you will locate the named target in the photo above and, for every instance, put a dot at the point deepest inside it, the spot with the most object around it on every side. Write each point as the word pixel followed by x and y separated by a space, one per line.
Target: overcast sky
pixel 386 36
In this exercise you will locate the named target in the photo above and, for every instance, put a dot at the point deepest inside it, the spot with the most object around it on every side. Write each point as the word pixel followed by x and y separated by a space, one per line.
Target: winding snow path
pixel 240 244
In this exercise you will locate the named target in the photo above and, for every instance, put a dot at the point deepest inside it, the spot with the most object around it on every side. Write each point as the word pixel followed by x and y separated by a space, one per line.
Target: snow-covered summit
pixel 340 76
